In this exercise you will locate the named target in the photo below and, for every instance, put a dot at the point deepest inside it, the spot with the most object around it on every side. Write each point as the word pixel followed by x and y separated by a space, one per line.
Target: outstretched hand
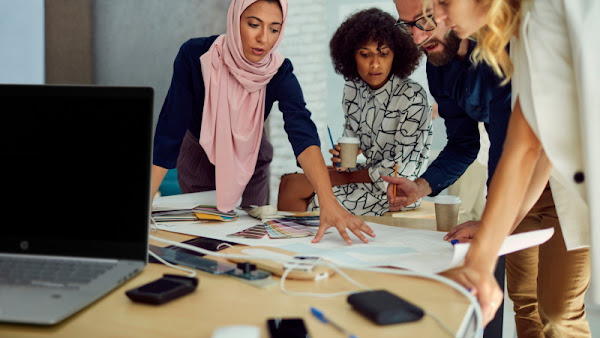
pixel 407 192
pixel 463 232
pixel 332 214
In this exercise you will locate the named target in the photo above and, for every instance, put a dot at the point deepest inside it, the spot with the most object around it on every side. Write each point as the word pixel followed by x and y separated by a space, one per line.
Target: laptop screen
pixel 76 170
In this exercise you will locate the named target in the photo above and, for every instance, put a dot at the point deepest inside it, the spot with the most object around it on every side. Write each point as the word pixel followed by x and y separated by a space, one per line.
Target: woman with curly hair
pixel 554 71
pixel 386 110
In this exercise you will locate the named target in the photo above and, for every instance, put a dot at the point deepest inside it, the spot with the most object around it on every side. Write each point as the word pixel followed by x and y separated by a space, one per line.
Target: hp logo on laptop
pixel 24 245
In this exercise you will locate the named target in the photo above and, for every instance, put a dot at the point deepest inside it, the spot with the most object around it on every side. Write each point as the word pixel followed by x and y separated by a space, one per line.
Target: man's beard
pixel 448 53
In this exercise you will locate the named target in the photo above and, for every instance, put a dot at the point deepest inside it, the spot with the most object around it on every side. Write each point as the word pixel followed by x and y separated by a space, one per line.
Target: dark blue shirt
pixel 182 109
pixel 466 95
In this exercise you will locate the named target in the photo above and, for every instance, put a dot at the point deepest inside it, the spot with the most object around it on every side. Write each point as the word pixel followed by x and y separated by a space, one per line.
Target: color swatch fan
pixel 277 229
pixel 255 232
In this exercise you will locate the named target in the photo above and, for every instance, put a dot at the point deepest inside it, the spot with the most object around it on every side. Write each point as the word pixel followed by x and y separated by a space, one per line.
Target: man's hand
pixel 332 214
pixel 407 192
pixel 463 232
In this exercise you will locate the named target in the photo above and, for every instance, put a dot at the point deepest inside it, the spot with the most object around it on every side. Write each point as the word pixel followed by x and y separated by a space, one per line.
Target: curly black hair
pixel 372 25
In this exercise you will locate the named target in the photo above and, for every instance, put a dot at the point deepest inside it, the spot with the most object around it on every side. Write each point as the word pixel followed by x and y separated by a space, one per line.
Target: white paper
pixel 512 243
pixel 185 201
pixel 413 249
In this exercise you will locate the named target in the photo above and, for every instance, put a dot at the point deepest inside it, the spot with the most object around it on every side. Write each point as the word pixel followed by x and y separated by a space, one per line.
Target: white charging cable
pixel 192 273
pixel 322 295
pixel 472 299
pixel 441 279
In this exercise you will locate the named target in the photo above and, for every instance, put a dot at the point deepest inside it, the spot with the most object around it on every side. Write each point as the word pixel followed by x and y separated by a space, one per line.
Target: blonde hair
pixel 503 19
pixel 502 23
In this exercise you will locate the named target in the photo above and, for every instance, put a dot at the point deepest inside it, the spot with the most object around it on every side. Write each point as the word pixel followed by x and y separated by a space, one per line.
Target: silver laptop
pixel 75 165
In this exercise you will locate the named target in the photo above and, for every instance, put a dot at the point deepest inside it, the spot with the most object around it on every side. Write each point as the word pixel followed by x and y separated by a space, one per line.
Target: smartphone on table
pixel 287 328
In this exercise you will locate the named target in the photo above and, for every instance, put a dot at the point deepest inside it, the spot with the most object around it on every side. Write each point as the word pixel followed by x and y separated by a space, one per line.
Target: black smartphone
pixel 384 307
pixel 287 328
pixel 163 289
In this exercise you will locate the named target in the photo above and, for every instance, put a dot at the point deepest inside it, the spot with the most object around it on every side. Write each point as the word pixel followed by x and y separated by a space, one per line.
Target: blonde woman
pixel 553 71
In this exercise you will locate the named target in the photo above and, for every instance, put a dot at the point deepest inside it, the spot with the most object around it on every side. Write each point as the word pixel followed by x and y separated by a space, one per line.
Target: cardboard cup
pixel 349 151
pixel 446 212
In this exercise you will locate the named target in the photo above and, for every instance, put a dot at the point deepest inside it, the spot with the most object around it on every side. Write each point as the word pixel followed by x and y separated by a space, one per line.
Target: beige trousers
pixel 471 188
pixel 548 283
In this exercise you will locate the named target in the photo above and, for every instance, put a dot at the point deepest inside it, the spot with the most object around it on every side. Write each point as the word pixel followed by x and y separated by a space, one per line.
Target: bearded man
pixel 466 94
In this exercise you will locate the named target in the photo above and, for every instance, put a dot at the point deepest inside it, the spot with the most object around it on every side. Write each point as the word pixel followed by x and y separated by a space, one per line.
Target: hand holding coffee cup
pixel 348 151
pixel 446 212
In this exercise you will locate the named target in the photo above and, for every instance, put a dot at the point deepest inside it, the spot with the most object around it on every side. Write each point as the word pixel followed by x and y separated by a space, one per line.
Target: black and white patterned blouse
pixel 393 124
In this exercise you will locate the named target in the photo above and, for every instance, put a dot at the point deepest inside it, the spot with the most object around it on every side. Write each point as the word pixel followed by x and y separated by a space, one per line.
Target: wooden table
pixel 425 211
pixel 223 300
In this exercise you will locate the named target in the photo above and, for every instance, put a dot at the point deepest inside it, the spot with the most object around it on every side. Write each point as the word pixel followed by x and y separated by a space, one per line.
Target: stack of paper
pixel 174 215
pixel 197 213
pixel 211 213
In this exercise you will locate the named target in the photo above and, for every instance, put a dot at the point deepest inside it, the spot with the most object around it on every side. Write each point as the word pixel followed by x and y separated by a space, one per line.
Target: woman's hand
pixel 332 214
pixel 336 157
pixel 482 284
pixel 463 232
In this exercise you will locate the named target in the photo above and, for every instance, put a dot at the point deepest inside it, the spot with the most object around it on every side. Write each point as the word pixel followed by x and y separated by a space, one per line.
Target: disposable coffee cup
pixel 349 151
pixel 446 212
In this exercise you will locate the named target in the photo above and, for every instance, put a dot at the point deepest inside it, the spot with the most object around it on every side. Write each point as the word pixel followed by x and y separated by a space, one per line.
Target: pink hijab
pixel 234 106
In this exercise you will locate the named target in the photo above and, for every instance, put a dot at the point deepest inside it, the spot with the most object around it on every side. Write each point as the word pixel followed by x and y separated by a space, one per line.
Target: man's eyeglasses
pixel 425 23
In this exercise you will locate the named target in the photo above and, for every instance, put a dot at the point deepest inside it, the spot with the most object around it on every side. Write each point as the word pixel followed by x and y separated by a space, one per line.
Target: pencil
pixel 395 175
pixel 332 144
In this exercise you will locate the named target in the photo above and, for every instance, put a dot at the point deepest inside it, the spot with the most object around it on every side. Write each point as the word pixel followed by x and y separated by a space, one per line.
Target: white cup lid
pixel 446 199
pixel 347 139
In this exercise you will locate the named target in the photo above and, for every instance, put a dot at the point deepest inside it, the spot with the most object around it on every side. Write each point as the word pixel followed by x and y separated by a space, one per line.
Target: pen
pixel 395 175
pixel 320 316
pixel 332 144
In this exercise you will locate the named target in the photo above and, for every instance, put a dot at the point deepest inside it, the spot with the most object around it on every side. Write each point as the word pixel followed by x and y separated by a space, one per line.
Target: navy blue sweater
pixel 466 94
pixel 182 109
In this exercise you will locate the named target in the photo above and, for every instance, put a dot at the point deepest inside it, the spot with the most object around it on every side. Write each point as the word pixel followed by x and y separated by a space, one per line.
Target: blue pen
pixel 332 144
pixel 320 316
pixel 454 241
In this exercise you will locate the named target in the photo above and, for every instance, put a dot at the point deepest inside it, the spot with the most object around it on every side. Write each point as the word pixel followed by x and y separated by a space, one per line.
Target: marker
pixel 332 144
pixel 454 241
pixel 320 316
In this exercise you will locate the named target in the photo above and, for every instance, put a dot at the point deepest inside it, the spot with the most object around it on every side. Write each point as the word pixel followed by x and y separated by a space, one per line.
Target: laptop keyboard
pixel 50 273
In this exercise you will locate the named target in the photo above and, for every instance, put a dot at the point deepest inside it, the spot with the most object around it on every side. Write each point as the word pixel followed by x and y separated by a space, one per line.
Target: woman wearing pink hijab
pixel 211 124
